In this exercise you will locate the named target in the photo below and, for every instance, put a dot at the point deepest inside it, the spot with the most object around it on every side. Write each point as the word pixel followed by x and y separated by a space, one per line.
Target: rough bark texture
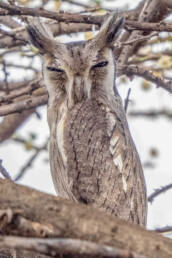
pixel 63 218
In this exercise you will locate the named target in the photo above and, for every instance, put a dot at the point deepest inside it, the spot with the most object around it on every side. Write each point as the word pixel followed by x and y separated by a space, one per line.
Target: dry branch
pixel 147 75
pixel 11 122
pixel 164 229
pixel 89 19
pixel 151 113
pixel 61 247
pixel 30 102
pixel 157 192
pixel 4 172
pixel 66 219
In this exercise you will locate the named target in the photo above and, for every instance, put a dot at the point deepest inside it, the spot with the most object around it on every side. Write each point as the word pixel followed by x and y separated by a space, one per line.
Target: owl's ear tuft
pixel 39 36
pixel 108 33
pixel 111 28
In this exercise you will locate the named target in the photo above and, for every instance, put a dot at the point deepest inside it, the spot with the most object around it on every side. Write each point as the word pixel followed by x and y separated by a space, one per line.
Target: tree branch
pixel 4 172
pixel 61 246
pixel 159 191
pixel 146 74
pixel 76 18
pixel 151 113
pixel 164 229
pixel 11 122
pixel 30 102
pixel 65 219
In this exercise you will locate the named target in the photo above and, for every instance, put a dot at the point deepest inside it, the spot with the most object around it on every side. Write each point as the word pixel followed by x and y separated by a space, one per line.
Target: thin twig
pixel 164 229
pixel 6 74
pixel 4 171
pixel 137 40
pixel 157 192
pixel 28 67
pixel 151 113
pixel 30 161
pixel 127 100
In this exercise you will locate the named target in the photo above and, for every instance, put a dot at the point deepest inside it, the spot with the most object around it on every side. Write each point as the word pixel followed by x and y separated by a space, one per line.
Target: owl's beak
pixel 78 87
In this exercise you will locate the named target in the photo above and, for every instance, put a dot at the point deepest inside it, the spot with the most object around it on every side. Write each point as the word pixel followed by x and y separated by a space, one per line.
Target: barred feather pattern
pixel 102 167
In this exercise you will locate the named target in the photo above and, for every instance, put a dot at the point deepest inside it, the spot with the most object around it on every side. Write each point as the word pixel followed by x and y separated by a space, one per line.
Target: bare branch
pixel 84 223
pixel 62 246
pixel 151 113
pixel 164 229
pixel 32 86
pixel 146 74
pixel 61 17
pixel 145 26
pixel 75 18
pixel 4 172
pixel 30 161
pixel 6 74
pixel 30 102
pixel 11 122
pixel 157 192
pixel 127 100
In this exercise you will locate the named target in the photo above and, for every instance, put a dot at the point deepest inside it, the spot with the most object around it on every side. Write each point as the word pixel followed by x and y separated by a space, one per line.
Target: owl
pixel 93 158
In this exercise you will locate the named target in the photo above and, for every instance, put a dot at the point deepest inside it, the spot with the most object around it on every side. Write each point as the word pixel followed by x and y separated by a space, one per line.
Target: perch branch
pixel 62 246
pixel 66 219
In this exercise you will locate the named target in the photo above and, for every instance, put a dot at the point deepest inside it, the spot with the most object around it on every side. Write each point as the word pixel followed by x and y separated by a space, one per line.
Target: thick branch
pixel 11 123
pixel 65 219
pixel 30 102
pixel 61 246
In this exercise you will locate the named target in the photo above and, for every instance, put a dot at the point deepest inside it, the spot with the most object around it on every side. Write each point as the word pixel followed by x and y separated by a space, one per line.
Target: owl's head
pixel 79 70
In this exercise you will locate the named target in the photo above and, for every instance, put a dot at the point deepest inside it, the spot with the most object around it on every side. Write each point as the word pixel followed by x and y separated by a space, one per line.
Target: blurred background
pixel 149 113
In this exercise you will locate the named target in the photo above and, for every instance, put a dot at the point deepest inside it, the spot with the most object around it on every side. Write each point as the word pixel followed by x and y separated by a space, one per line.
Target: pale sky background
pixel 147 133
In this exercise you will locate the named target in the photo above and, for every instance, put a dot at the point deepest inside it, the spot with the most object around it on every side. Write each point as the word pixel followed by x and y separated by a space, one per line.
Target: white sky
pixel 147 133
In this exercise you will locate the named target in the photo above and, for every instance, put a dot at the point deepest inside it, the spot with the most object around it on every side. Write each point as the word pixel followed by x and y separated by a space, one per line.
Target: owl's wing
pixel 103 164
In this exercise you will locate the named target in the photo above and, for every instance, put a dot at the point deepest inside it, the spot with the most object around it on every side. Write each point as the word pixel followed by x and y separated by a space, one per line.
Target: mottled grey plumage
pixel 92 155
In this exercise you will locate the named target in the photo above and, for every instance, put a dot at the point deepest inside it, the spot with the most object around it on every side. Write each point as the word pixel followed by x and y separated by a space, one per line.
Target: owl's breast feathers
pixel 101 164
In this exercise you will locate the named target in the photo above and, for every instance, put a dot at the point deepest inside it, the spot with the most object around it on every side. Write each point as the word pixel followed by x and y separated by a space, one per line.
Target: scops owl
pixel 93 158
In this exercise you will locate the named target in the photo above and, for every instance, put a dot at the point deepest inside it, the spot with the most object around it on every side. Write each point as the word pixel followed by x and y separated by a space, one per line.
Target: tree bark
pixel 27 212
